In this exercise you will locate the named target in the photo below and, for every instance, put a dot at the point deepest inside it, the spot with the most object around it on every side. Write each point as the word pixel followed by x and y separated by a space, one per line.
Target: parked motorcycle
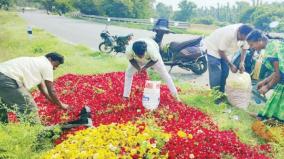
pixel 186 55
pixel 113 43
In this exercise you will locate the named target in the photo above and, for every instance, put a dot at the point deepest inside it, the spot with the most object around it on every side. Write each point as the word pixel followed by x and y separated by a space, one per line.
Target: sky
pixel 208 3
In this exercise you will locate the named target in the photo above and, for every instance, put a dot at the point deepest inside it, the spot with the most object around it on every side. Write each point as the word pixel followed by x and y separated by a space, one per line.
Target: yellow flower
pixel 190 136
pixel 181 134
pixel 133 151
pixel 107 141
pixel 170 116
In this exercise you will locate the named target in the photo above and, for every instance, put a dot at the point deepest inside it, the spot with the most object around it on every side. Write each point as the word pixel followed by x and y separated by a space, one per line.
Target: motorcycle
pixel 252 59
pixel 186 55
pixel 113 43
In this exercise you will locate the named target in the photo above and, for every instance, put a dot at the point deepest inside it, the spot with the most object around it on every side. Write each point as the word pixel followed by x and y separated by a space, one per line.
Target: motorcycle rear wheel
pixel 105 48
pixel 200 67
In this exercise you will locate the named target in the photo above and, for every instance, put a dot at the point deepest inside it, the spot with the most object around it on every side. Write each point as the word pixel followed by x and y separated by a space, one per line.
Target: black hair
pixel 245 29
pixel 139 47
pixel 255 36
pixel 54 56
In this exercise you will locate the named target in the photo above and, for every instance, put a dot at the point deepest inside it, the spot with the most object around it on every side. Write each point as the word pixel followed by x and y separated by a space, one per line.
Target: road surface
pixel 88 33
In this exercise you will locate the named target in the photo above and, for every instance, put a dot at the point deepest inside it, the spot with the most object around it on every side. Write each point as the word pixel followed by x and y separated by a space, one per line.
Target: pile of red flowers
pixel 194 134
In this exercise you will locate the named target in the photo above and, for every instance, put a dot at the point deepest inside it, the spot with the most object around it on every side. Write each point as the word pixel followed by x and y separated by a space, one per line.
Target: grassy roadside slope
pixel 14 42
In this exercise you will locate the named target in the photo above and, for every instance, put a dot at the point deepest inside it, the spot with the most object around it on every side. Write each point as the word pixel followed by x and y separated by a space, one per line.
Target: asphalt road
pixel 88 33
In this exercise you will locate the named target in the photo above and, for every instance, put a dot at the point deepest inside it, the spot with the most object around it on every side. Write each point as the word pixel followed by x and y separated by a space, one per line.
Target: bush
pixel 19 140
pixel 280 27
pixel 222 24
pixel 204 20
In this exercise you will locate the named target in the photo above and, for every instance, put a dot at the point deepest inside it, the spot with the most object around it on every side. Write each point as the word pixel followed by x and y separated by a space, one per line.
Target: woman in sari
pixel 274 61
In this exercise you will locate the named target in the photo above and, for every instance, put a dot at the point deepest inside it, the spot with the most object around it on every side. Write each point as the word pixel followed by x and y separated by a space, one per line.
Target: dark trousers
pixel 218 72
pixel 18 99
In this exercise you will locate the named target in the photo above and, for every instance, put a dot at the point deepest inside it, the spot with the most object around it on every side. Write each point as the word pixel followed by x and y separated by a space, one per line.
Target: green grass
pixel 79 59
pixel 17 141
pixel 203 99
pixel 201 29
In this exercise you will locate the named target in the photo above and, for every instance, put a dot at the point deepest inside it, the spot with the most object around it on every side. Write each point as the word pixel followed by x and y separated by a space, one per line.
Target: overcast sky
pixel 207 3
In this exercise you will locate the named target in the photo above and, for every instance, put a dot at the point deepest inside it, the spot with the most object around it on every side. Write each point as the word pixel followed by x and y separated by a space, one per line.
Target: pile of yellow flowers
pixel 128 140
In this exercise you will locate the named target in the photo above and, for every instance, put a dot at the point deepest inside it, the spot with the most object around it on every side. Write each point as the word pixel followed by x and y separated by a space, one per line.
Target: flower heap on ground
pixel 193 133
pixel 113 141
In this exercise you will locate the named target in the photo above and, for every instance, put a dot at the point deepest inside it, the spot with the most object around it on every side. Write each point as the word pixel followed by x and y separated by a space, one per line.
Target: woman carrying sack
pixel 274 57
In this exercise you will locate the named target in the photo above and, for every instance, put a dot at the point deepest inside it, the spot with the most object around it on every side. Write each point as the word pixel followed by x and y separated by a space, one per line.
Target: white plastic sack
pixel 151 95
pixel 238 89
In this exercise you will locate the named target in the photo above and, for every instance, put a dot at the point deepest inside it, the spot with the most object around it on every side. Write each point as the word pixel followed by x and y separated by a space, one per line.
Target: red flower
pixel 152 141
pixel 103 94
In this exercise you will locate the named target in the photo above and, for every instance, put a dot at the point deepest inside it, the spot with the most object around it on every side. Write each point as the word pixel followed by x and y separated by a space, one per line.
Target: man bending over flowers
pixel 143 54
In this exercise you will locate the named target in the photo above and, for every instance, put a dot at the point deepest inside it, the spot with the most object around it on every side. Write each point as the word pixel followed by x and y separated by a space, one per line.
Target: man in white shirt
pixel 219 45
pixel 19 75
pixel 143 54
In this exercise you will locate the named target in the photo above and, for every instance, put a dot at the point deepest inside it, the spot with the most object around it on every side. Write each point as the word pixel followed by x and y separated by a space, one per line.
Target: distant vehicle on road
pixel 114 43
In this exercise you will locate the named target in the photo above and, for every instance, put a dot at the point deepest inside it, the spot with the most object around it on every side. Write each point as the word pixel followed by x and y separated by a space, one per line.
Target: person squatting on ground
pixel 274 61
pixel 143 54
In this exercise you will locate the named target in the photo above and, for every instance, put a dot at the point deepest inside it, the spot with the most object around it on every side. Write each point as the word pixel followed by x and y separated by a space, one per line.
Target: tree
pixel 118 8
pixel 241 5
pixel 48 5
pixel 262 16
pixel 143 8
pixel 5 4
pixel 126 8
pixel 86 6
pixel 207 20
pixel 186 11
pixel 164 11
pixel 62 6
pixel 27 3
pixel 241 9
pixel 246 16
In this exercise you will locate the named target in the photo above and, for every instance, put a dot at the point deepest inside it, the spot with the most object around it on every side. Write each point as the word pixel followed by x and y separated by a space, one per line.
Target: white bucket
pixel 151 95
